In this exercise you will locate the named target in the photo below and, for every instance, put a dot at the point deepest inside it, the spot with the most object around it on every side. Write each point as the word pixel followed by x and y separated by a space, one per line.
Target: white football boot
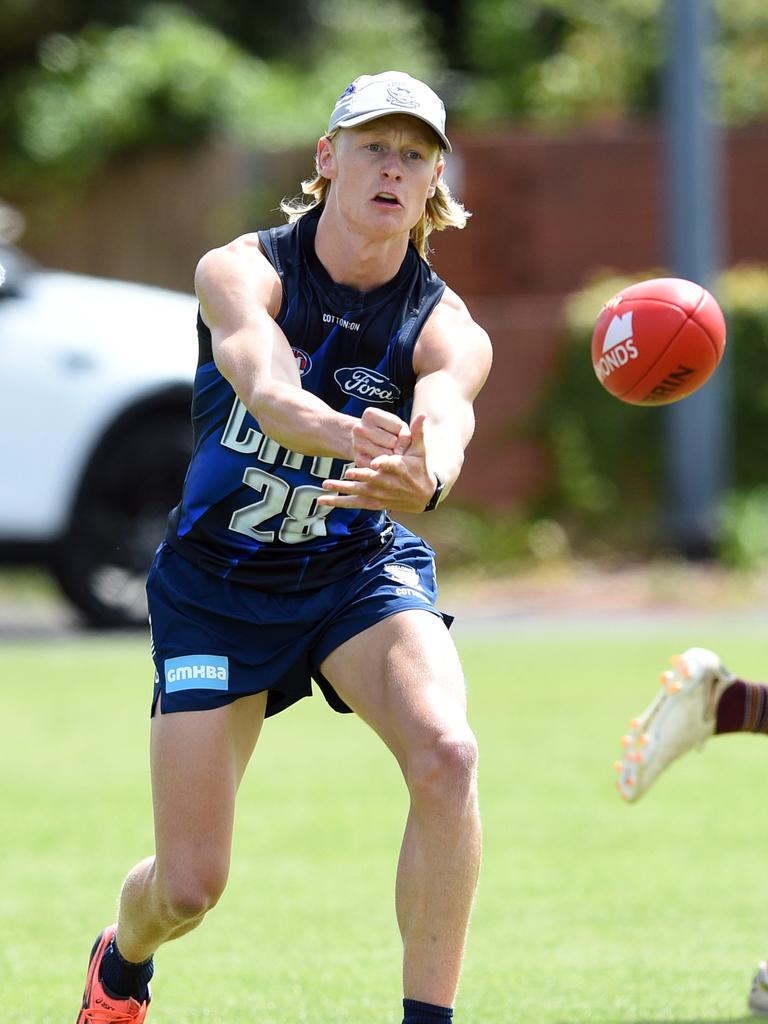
pixel 682 716
pixel 758 996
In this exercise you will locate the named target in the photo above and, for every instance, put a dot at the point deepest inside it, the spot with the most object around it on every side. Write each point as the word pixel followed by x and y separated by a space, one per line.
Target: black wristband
pixel 432 503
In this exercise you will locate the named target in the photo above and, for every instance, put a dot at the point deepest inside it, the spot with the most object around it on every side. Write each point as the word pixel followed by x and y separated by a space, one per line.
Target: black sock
pixel 123 979
pixel 426 1013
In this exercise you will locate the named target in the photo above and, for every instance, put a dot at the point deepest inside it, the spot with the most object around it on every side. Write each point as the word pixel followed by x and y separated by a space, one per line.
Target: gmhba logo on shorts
pixel 196 672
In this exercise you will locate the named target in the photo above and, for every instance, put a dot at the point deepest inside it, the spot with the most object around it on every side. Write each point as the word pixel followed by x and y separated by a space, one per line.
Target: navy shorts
pixel 214 641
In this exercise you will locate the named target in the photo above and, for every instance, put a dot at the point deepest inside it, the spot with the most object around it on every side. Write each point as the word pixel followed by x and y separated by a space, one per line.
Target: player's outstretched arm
pixel 452 360
pixel 240 294
pixel 452 364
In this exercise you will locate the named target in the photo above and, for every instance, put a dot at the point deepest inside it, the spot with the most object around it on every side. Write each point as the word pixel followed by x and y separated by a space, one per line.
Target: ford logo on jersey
pixel 366 384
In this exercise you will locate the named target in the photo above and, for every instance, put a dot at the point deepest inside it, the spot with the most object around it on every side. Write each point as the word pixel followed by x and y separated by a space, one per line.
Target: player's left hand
pixel 379 432
pixel 399 482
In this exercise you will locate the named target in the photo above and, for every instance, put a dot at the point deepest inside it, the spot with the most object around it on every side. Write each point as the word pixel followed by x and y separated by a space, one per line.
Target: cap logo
pixel 399 96
pixel 347 92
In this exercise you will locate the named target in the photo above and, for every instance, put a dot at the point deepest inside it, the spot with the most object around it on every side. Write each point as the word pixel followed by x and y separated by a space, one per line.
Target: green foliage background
pixel 559 61
pixel 171 78
pixel 82 82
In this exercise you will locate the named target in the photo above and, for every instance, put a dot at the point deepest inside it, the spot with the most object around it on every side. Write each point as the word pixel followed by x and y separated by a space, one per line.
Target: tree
pixel 556 62
pixel 272 33
pixel 82 81
pixel 171 77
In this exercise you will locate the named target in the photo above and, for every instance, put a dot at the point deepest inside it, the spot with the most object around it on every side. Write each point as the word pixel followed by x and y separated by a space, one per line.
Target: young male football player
pixel 335 384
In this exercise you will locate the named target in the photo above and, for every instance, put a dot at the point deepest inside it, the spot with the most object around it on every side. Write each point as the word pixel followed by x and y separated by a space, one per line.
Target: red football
pixel 658 341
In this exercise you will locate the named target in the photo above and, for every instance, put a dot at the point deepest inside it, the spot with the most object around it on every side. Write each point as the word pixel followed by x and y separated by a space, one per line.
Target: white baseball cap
pixel 391 92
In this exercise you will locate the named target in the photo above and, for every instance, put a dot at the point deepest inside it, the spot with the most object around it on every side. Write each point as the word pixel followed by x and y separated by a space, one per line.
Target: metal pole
pixel 695 427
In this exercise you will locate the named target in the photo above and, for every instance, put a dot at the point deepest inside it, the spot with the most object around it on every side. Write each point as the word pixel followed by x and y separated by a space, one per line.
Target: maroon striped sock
pixel 743 707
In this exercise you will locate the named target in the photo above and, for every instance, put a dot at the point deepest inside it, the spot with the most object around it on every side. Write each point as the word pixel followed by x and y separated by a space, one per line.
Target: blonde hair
pixel 440 212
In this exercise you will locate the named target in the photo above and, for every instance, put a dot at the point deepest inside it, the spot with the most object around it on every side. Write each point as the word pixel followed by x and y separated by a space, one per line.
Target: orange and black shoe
pixel 99 1006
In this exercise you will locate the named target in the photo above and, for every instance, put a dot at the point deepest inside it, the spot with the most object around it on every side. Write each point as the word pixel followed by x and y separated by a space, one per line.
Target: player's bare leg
pixel 403 677
pixel 198 760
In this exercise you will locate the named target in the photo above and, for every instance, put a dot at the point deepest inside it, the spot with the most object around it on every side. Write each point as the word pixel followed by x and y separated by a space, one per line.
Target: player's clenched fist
pixel 394 480
pixel 379 433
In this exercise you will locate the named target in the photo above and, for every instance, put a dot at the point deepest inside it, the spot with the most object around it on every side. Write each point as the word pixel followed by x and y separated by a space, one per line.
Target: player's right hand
pixel 379 433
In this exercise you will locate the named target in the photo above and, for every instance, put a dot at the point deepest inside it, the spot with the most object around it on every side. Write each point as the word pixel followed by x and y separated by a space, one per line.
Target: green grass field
pixel 588 910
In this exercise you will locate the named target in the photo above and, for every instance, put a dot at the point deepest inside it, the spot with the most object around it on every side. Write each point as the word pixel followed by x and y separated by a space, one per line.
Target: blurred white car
pixel 95 431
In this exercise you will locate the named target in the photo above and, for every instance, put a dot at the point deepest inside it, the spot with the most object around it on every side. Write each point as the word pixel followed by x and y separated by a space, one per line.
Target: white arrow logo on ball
pixel 619 330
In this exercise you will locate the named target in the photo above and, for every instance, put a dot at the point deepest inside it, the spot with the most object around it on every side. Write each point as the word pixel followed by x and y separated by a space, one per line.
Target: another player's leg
pixel 698 698
pixel 403 677
pixel 681 716
pixel 198 760
pixel 758 995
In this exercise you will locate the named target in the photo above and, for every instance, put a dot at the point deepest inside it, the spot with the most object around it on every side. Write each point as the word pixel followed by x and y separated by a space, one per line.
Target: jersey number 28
pixel 304 518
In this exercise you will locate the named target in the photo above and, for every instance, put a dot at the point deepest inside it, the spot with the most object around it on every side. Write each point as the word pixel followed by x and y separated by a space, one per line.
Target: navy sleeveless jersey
pixel 249 509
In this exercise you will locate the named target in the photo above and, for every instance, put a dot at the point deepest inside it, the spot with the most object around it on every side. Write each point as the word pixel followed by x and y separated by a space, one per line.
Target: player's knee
pixel 444 771
pixel 189 896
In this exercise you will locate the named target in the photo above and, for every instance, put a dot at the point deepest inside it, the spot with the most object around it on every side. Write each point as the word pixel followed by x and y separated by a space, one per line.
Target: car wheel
pixel 119 520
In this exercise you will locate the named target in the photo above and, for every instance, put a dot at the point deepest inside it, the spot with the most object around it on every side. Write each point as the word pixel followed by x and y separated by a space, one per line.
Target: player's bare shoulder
pixel 237 273
pixel 451 338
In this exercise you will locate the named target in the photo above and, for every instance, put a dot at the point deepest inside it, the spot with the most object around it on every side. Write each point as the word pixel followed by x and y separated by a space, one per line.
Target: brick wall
pixel 549 213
